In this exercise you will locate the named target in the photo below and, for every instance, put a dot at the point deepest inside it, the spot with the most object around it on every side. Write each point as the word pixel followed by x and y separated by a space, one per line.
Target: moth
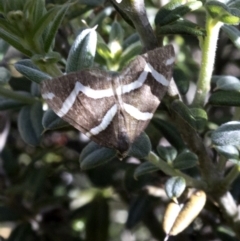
pixel 112 109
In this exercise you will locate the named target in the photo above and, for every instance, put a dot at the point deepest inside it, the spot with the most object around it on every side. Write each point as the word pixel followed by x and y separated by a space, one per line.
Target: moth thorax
pixel 123 144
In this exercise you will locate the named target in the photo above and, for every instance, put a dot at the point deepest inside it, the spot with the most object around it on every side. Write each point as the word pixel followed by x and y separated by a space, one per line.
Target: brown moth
pixel 112 109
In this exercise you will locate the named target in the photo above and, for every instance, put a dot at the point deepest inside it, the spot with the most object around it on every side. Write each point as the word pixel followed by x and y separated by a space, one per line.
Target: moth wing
pixel 83 99
pixel 144 83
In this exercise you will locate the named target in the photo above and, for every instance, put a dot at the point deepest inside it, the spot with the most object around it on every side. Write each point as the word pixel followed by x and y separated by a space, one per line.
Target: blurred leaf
pixel 8 214
pixel 170 132
pixel 167 9
pixel 167 153
pixel 227 134
pixel 31 71
pixel 201 118
pixel 30 123
pixel 6 104
pixel 98 19
pixel 94 155
pixel 182 27
pixel 97 224
pixel 228 151
pixel 14 41
pixel 5 75
pixel 225 98
pixel 173 11
pixel 225 13
pixel 139 207
pixel 233 33
pixel 22 232
pixel 184 112
pixel 226 82
pixel 141 146
pixel 185 160
pixel 54 26
pixel 132 39
pixel 174 187
pixel 145 168
pixel 129 53
pixel 51 121
pixel 46 20
pixel 181 79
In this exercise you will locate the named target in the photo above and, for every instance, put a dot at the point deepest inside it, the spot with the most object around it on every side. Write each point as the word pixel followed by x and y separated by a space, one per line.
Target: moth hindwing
pixel 112 109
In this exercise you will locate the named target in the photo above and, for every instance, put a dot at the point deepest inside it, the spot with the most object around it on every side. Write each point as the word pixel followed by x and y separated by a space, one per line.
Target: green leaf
pixel 5 75
pixel 94 155
pixel 185 160
pixel 138 208
pixel 167 153
pixel 116 39
pixel 132 39
pixel 184 112
pixel 129 53
pixel 30 123
pixel 166 10
pixel 7 104
pixel 200 116
pixel 48 58
pixel 27 68
pixel 34 10
pixel 44 22
pixel 227 134
pixel 14 41
pixel 54 26
pixel 102 48
pixel 51 121
pixel 176 13
pixel 225 98
pixel 145 168
pixel 222 12
pixel 233 33
pixel 228 151
pixel 181 80
pixel 174 187
pixel 11 29
pixel 170 133
pixel 83 50
pixel 99 18
pixel 182 27
pixel 141 146
pixel 226 82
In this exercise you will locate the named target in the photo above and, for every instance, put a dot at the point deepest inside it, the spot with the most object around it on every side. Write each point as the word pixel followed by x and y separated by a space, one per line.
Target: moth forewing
pixel 112 110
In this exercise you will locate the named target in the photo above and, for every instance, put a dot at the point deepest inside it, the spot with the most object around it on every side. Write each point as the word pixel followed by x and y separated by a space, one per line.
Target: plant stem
pixel 166 168
pixel 17 96
pixel 208 59
pixel 136 11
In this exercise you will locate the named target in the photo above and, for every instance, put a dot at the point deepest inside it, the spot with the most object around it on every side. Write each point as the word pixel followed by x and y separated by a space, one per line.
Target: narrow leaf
pixel 29 70
pixel 52 30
